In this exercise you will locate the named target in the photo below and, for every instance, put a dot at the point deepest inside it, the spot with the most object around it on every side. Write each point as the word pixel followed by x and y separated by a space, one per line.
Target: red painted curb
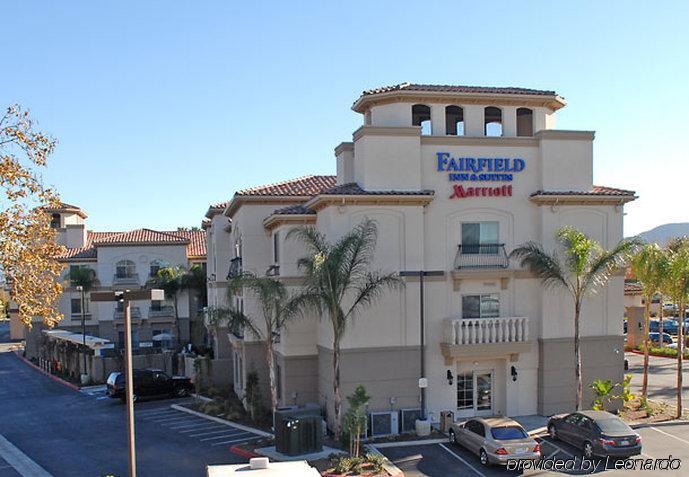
pixel 243 452
pixel 73 387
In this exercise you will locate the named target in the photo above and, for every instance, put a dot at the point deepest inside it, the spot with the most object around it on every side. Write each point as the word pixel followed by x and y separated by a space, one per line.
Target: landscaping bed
pixel 637 412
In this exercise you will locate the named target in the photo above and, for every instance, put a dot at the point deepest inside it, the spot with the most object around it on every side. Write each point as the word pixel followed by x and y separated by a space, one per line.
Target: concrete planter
pixel 423 427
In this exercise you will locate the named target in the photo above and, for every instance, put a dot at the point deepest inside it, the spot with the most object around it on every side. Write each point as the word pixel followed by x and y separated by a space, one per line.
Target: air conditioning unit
pixel 409 417
pixel 384 423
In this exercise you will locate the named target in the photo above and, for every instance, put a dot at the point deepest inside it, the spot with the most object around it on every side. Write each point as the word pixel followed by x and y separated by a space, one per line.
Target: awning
pixel 93 342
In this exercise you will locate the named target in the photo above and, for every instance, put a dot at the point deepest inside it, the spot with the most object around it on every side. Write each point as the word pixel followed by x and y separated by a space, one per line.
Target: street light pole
pixel 126 297
pixel 129 388
pixel 422 327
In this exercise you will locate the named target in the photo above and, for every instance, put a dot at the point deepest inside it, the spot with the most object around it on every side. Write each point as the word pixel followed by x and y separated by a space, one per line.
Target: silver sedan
pixel 496 440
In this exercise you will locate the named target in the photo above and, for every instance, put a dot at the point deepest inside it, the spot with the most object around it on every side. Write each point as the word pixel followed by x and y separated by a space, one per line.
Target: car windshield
pixel 508 433
pixel 613 425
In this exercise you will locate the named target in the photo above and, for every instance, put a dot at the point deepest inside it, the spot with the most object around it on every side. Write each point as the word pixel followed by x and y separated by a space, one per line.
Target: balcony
pixel 235 268
pixel 131 279
pixel 135 313
pixel 485 337
pixel 481 256
pixel 165 311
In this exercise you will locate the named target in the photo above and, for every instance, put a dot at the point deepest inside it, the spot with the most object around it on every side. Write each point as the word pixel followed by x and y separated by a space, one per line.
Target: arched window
pixel 125 269
pixel 454 121
pixel 55 221
pixel 492 121
pixel 156 265
pixel 421 116
pixel 524 122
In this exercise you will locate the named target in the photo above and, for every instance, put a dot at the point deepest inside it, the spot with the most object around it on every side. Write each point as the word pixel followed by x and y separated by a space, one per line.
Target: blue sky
pixel 161 108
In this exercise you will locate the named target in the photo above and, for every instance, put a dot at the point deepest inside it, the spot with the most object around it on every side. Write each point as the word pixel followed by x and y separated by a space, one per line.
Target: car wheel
pixel 453 438
pixel 588 450
pixel 483 456
pixel 552 432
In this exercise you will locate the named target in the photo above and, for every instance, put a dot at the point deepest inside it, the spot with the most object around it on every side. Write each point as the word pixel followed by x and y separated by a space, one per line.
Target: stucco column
pixel 509 121
pixel 438 119
pixel 473 120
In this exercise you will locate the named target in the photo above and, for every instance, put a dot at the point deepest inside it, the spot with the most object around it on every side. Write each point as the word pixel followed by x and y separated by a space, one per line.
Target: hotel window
pixel 480 238
pixel 492 121
pixel 421 116
pixel 454 121
pixel 156 305
pixel 465 391
pixel 155 267
pixel 76 306
pixel 524 122
pixel 481 306
pixel 276 247
pixel 55 221
pixel 125 269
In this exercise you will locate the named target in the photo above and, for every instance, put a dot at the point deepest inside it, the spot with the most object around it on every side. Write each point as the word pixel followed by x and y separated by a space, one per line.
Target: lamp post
pixel 126 297
pixel 422 326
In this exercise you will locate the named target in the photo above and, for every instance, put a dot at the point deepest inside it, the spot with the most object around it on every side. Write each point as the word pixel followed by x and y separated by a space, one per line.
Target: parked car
pixel 598 433
pixel 669 326
pixel 655 338
pixel 148 383
pixel 495 440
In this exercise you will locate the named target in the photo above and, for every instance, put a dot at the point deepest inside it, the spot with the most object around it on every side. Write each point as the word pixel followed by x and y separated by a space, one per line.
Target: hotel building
pixel 455 178
pixel 127 260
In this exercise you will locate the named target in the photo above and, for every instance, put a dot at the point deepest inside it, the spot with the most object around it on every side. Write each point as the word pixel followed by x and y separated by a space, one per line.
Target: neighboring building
pixel 128 260
pixel 455 178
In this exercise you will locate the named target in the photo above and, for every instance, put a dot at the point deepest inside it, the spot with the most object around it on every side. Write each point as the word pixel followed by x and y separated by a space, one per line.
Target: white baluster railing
pixel 469 331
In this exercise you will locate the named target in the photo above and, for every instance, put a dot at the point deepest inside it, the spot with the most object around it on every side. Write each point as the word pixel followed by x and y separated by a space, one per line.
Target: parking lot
pixel 660 441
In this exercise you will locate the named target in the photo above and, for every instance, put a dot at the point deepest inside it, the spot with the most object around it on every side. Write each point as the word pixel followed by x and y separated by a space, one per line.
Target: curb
pixel 389 467
pixel 243 452
pixel 73 387
pixel 201 397
pixel 177 407
pixel 383 445
pixel 641 353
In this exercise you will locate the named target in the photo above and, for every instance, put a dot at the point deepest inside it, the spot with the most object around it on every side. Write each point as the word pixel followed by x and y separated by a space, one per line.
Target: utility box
pixel 298 431
pixel 446 420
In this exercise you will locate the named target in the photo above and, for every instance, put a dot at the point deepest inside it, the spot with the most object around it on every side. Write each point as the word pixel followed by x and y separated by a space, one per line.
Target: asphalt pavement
pixel 662 378
pixel 80 434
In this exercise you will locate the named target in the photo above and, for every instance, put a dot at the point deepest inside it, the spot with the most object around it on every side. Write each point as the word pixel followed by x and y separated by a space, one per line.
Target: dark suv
pixel 149 382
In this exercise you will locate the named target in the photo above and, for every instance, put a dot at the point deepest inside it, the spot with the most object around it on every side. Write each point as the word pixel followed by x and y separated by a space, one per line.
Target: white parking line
pixel 669 435
pixel 244 439
pixel 462 460
pixel 170 419
pixel 155 410
pixel 232 434
pixel 20 461
pixel 200 424
pixel 560 448
pixel 208 433
pixel 149 414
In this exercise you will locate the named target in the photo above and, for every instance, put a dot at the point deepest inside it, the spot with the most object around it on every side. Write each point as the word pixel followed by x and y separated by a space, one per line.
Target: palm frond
pixel 545 266
pixel 372 290
pixel 606 263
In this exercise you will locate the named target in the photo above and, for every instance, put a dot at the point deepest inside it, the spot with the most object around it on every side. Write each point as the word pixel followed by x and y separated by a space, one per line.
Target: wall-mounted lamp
pixel 514 373
pixel 450 377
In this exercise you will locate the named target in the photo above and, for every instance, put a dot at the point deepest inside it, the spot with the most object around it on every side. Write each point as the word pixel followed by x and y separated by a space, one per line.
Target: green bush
pixel 376 461
pixel 343 465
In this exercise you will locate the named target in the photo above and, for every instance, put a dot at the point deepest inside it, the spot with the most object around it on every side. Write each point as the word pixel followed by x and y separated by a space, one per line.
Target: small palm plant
pixel 580 267
pixel 603 390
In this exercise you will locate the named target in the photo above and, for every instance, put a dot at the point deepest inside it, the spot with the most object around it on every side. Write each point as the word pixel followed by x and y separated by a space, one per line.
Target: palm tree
pixel 584 268
pixel 277 309
pixel 677 286
pixel 84 279
pixel 195 280
pixel 338 284
pixel 650 268
pixel 171 281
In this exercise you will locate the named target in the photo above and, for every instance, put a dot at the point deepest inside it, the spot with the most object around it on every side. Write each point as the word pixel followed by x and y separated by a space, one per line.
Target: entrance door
pixel 475 393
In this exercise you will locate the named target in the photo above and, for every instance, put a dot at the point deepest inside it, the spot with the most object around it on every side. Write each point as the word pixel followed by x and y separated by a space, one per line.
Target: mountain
pixel 663 233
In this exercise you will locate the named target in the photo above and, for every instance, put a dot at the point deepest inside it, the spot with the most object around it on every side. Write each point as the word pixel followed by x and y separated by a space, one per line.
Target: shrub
pixel 376 461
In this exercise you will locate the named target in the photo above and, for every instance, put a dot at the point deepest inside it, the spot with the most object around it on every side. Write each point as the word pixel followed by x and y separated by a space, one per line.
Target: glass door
pixel 475 393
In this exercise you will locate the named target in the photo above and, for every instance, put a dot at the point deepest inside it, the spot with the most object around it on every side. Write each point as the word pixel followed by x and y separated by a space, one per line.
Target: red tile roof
pixel 595 191
pixel 631 288
pixel 437 88
pixel 298 209
pixel 353 188
pixel 216 208
pixel 306 186
pixel 195 241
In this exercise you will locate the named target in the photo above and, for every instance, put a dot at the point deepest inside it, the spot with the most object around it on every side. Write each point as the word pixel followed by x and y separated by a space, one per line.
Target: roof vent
pixel 258 463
